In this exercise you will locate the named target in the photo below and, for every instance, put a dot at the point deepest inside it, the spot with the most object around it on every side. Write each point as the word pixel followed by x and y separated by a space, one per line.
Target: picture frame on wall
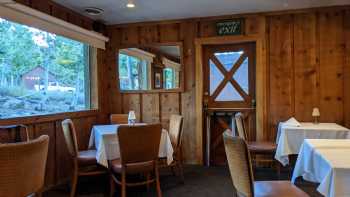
pixel 158 82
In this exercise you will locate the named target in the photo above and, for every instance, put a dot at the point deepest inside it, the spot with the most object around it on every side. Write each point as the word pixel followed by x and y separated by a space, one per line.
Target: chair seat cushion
pixel 277 189
pixel 263 147
pixel 87 157
pixel 133 168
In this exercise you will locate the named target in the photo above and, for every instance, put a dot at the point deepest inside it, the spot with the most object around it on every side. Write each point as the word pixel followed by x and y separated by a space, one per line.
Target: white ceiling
pixel 154 10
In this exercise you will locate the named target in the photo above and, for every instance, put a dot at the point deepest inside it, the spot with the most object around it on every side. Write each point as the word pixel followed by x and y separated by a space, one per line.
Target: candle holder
pixel 316 115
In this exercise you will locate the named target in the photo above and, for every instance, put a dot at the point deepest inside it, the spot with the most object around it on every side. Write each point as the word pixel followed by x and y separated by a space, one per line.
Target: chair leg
pixel 278 168
pixel 181 172
pixel 159 192
pixel 74 183
pixel 123 183
pixel 38 194
pixel 112 185
pixel 181 169
pixel 148 177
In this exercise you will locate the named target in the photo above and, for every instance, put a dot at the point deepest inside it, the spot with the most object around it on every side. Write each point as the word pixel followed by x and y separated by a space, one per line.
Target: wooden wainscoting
pixel 152 107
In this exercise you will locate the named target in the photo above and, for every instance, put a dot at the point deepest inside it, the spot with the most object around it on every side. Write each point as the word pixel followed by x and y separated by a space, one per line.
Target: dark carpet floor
pixel 199 182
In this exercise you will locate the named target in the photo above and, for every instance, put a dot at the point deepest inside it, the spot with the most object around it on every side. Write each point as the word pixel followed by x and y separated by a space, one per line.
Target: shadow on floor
pixel 200 181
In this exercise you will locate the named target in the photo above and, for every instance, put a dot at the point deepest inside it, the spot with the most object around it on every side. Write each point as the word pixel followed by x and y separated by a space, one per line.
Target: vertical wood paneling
pixel 281 70
pixel 130 35
pixel 347 69
pixel 169 32
pixel 331 66
pixel 150 108
pixel 132 102
pixel 148 34
pixel 306 68
pixel 48 129
pixel 170 105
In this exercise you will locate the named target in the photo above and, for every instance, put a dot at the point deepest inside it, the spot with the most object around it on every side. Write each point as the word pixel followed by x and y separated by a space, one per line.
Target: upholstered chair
pixel 139 148
pixel 175 133
pixel 84 162
pixel 22 167
pixel 266 150
pixel 240 167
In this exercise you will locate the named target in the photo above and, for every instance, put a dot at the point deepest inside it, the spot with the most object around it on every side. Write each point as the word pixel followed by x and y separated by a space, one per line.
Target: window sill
pixel 179 90
pixel 48 117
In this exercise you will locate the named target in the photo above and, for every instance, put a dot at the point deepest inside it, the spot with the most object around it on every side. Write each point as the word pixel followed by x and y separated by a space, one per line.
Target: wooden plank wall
pixel 308 65
pixel 58 11
pixel 58 167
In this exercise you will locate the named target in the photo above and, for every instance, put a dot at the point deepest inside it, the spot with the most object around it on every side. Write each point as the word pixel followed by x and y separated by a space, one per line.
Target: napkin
pixel 292 122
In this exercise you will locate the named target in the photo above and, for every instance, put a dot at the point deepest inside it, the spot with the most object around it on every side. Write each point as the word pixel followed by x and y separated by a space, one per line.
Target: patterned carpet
pixel 199 182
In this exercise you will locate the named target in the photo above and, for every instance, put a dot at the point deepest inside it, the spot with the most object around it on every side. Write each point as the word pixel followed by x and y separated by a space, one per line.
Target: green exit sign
pixel 232 27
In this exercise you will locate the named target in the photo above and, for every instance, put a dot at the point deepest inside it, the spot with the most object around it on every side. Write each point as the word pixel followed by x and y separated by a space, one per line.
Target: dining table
pixel 104 138
pixel 327 162
pixel 290 138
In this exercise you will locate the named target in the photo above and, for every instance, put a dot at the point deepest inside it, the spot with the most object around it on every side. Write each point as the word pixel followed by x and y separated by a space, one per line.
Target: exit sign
pixel 232 27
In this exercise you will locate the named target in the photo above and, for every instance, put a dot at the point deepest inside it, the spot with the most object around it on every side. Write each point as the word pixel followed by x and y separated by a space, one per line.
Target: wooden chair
pixel 175 133
pixel 266 149
pixel 139 147
pixel 119 118
pixel 240 166
pixel 22 167
pixel 84 162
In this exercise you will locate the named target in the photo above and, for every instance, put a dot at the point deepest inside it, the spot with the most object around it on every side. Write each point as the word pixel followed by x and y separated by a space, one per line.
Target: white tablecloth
pixel 290 138
pixel 326 162
pixel 105 139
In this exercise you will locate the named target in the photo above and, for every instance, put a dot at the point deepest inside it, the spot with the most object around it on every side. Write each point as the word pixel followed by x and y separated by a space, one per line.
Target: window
pixel 171 74
pixel 134 68
pixel 41 72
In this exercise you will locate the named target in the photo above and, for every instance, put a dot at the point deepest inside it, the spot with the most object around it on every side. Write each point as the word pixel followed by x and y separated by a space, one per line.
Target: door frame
pixel 260 83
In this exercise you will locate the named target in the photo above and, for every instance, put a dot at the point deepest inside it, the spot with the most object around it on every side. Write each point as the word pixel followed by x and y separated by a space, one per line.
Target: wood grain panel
pixel 347 69
pixel 132 102
pixel 150 108
pixel 281 70
pixel 170 105
pixel 189 135
pixel 331 66
pixel 306 68
pixel 169 32
pixel 130 35
pixel 148 34
pixel 48 129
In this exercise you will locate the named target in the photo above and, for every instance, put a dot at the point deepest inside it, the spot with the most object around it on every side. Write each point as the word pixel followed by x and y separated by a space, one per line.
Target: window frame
pixel 181 87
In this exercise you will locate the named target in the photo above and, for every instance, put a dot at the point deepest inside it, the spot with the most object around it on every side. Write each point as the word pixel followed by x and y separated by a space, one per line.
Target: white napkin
pixel 292 122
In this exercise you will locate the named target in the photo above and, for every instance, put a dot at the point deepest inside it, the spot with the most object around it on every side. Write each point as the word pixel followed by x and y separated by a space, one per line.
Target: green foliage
pixel 20 52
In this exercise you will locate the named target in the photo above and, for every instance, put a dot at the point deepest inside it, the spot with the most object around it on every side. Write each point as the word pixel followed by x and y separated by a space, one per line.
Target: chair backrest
pixel 22 167
pixel 240 126
pixel 239 164
pixel 70 136
pixel 119 118
pixel 139 143
pixel 175 130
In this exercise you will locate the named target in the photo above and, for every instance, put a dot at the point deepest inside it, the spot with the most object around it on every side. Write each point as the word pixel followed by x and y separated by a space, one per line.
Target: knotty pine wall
pixel 58 167
pixel 308 65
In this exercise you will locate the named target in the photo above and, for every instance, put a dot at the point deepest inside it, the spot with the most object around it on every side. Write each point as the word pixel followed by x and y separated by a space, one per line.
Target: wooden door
pixel 229 87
